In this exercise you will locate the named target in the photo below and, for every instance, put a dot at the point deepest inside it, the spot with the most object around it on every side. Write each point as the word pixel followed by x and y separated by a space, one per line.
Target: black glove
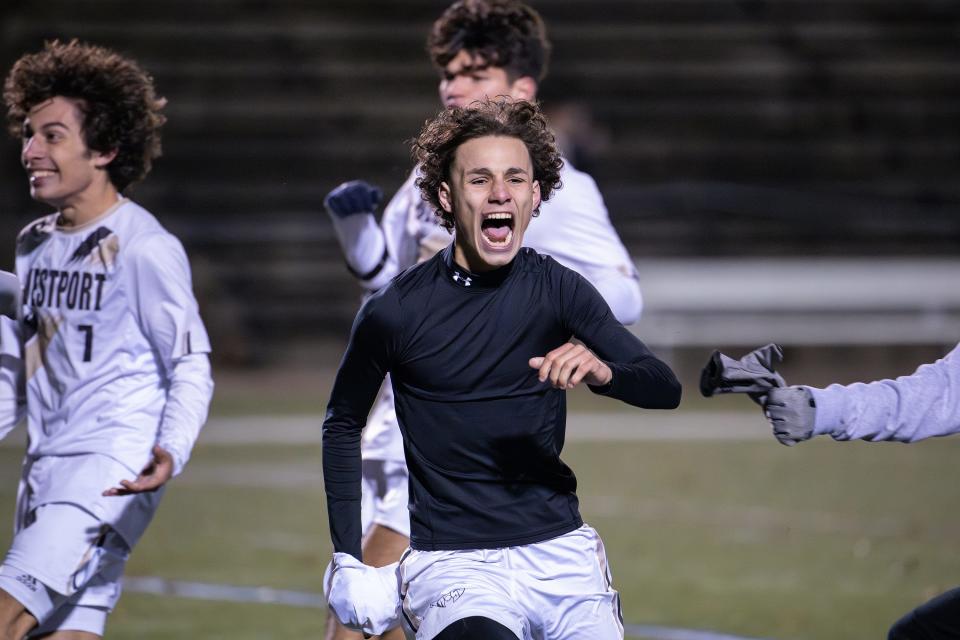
pixel 353 197
pixel 753 374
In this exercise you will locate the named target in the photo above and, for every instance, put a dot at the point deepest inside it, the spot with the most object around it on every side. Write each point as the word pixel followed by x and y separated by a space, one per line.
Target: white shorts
pixel 384 496
pixel 559 589
pixel 66 567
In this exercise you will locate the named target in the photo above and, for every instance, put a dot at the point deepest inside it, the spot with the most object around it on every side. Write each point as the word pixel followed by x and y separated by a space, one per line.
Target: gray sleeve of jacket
pixel 922 405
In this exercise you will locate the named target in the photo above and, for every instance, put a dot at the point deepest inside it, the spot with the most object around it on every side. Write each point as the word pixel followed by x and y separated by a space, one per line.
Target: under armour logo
pixel 462 279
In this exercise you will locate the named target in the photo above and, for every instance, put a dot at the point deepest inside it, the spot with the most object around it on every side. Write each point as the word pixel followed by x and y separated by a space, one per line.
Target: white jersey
pixel 108 312
pixel 573 227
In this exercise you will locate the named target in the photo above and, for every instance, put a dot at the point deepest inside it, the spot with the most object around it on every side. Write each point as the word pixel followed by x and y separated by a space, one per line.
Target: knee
pixel 476 628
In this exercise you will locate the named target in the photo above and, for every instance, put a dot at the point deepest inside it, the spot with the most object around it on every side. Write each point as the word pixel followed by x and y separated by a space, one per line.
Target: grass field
pixel 822 541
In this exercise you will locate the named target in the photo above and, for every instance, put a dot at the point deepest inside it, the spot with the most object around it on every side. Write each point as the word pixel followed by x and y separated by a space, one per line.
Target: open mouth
pixel 497 229
pixel 39 174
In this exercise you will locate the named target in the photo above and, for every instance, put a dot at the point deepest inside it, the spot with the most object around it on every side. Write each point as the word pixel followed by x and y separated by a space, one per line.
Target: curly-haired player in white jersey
pixel 482 49
pixel 105 352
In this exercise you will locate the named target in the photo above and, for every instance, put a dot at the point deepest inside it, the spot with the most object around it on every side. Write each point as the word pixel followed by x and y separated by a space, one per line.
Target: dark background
pixel 715 129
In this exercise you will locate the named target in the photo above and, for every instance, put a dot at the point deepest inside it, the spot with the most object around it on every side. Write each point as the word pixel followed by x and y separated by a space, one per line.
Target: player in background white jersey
pixel 482 49
pixel 106 354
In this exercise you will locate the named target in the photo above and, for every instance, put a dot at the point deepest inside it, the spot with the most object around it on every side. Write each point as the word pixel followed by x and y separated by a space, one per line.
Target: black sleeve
pixel 639 377
pixel 364 365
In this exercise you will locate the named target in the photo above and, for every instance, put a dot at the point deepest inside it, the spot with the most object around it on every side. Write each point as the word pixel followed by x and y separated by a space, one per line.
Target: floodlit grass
pixel 154 618
pixel 822 541
pixel 826 540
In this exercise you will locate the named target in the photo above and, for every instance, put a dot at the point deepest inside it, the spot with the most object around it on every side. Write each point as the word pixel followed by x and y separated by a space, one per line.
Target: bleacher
pixel 724 128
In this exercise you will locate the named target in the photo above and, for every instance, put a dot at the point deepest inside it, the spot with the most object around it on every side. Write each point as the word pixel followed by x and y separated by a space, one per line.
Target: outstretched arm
pixel 351 207
pixel 375 253
pixel 922 405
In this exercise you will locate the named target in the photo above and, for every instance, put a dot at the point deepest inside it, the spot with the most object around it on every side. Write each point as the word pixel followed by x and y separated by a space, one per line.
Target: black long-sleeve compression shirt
pixel 482 435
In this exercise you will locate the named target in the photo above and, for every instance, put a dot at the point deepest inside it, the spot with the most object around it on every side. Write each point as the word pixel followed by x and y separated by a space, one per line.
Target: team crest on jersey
pixel 449 598
pixel 100 248
pixel 35 235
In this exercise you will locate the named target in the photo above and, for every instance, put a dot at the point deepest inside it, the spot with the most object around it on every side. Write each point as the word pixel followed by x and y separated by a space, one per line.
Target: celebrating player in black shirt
pixel 478 343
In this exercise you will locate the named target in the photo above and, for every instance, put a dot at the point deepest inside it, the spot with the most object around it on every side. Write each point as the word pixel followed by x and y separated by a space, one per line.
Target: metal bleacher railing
pixel 808 302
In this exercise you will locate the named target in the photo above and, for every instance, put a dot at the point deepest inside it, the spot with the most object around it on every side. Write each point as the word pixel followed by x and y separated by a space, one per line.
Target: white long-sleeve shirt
pixel 922 405
pixel 113 349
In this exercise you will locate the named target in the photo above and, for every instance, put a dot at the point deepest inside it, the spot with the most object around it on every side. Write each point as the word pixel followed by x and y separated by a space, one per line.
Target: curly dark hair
pixel 116 96
pixel 436 147
pixel 501 33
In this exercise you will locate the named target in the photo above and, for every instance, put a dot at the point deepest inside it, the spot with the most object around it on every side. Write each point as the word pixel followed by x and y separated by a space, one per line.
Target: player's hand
pixel 153 476
pixel 791 412
pixel 362 597
pixel 353 197
pixel 569 365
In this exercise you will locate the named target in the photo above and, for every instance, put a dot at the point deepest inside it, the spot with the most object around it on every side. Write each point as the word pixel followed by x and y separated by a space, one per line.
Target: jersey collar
pixel 95 221
pixel 468 280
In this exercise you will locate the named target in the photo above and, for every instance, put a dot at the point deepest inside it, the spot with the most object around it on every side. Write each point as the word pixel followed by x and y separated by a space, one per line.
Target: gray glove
pixel 9 294
pixel 792 413
pixel 753 374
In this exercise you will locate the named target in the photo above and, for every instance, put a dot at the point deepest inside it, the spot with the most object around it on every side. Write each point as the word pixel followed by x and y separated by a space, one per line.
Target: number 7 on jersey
pixel 87 341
